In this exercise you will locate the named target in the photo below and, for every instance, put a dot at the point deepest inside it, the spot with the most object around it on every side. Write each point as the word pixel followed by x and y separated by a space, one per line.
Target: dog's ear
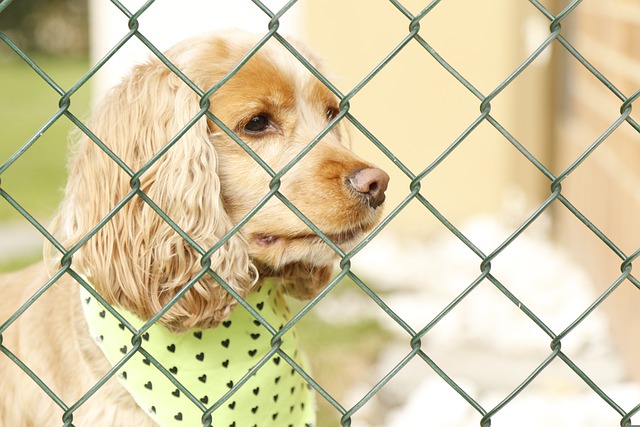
pixel 137 260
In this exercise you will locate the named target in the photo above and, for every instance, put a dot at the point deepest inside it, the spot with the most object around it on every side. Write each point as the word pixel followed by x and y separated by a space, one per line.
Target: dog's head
pixel 207 183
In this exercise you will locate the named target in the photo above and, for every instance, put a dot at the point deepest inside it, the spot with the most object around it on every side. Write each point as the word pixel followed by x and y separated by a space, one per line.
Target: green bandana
pixel 208 363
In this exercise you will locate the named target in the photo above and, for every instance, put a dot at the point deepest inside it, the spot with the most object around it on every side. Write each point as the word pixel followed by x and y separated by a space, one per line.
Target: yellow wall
pixel 606 186
pixel 417 109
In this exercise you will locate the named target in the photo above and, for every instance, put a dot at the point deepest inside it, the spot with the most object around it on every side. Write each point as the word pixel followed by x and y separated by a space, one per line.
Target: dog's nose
pixel 371 183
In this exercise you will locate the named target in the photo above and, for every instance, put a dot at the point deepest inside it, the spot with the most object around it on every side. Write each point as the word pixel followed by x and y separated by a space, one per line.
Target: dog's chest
pixel 234 368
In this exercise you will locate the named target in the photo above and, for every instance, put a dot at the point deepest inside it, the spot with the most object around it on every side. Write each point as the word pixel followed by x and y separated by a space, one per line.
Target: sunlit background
pixel 486 188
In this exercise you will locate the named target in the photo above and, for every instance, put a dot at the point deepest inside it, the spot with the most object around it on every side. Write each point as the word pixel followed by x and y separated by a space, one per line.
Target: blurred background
pixel 486 188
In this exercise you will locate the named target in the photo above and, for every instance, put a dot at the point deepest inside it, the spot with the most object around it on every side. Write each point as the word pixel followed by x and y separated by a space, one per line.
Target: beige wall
pixel 606 187
pixel 417 109
pixel 555 108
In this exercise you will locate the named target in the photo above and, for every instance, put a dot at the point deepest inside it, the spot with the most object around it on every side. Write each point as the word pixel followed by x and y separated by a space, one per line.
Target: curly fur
pixel 206 183
pixel 135 121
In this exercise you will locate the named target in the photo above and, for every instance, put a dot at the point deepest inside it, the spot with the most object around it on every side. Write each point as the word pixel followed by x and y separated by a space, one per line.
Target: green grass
pixel 16 264
pixel 35 180
pixel 341 352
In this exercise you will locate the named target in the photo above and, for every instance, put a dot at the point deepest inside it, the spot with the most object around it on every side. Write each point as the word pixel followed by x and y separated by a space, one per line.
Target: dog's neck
pixel 175 378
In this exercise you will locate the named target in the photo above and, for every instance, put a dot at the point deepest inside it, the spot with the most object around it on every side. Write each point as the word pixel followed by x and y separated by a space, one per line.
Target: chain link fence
pixel 415 352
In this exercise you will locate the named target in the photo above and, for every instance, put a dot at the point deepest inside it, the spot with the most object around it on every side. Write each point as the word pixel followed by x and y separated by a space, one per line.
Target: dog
pixel 165 217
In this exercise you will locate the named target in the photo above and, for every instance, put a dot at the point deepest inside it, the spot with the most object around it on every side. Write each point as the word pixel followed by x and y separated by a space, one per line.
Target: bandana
pixel 208 362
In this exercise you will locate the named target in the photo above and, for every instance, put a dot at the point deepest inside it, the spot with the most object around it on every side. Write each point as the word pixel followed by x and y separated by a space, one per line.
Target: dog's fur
pixel 206 183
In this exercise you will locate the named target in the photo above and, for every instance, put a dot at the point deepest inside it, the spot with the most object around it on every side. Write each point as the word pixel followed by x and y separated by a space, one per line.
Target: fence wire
pixel 555 36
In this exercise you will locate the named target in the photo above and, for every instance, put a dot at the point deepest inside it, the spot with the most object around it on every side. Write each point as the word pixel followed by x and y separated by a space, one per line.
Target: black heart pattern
pixel 280 380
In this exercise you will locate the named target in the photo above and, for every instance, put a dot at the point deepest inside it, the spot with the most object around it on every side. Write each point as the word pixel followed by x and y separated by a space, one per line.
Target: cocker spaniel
pixel 165 216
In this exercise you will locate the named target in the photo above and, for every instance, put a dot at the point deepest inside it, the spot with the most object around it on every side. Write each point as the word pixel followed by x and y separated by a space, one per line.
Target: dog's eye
pixel 332 112
pixel 257 124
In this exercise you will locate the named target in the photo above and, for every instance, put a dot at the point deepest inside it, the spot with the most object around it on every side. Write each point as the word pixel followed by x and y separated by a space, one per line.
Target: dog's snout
pixel 371 183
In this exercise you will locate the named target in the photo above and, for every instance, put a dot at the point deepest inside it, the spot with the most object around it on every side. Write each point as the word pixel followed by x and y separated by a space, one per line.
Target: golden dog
pixel 206 183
